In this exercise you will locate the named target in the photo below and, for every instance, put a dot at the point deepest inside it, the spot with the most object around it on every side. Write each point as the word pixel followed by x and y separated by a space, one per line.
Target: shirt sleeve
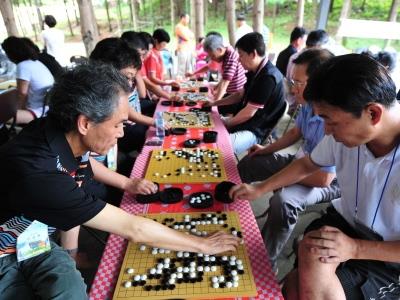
pixel 260 91
pixel 151 64
pixel 323 153
pixel 60 203
pixel 230 67
pixel 23 72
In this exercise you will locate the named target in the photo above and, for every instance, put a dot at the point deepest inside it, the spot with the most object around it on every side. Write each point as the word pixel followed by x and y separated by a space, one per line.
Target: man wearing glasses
pixel 264 161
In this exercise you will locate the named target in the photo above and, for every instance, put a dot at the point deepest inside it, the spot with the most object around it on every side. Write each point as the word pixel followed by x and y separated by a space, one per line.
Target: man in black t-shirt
pixel 45 169
pixel 297 42
pixel 261 101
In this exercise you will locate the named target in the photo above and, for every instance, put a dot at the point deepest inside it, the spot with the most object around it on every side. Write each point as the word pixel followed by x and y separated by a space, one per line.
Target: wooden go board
pixel 186 166
pixel 153 273
pixel 198 119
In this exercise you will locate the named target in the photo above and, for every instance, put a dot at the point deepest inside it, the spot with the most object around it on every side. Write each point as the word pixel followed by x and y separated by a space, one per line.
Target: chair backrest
pixel 8 105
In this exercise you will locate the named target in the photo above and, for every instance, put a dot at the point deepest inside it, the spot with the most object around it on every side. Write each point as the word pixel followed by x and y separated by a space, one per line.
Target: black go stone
pixel 142 282
pixel 157 287
pixel 240 272
pixel 148 288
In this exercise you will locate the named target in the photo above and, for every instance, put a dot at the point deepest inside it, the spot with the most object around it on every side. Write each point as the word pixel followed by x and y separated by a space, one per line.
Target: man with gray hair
pixel 48 169
pixel 233 75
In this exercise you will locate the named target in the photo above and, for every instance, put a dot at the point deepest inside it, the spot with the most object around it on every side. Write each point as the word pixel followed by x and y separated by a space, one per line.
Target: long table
pixel 110 264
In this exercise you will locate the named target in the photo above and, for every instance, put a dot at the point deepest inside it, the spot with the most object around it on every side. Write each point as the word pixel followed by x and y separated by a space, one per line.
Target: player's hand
pixel 188 74
pixel 175 97
pixel 331 245
pixel 220 242
pixel 245 191
pixel 140 186
pixel 255 150
pixel 207 103
pixel 174 83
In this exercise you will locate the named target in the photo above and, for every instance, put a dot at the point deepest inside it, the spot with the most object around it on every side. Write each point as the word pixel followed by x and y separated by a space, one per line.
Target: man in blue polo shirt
pixel 263 162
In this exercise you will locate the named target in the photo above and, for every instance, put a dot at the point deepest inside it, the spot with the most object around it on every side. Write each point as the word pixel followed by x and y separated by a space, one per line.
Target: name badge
pixel 33 241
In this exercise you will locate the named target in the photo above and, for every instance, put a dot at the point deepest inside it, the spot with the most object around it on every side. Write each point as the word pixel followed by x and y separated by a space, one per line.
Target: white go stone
pixel 166 266
pixel 212 258
pixel 143 277
pixel 214 279
pixel 130 271
pixel 136 278
pixel 221 278
pixel 167 260
pixel 186 254
pixel 179 275
pixel 213 268
pixel 234 272
pixel 204 233
pixel 167 251
pixel 240 267
pixel 173 275
pixel 127 284
pixel 192 275
pixel 200 268
pixel 215 285
pixel 185 270
pixel 142 247
pixel 161 251
pixel 232 263
pixel 153 271
pixel 235 278
pixel 235 284
pixel 154 251
pixel 229 284
pixel 159 271
pixel 224 258
pixel 179 269
pixel 207 269
pixel 192 264
pixel 239 262
pixel 233 258
pixel 179 254
pixel 160 266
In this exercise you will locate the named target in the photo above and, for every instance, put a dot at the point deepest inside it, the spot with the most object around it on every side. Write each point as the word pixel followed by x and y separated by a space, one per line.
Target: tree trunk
pixel 205 4
pixel 392 16
pixel 172 3
pixel 364 3
pixel 7 12
pixel 300 13
pixel 107 7
pixel 230 16
pixel 216 8
pixel 76 15
pixel 69 21
pixel 89 32
pixel 274 10
pixel 258 15
pixel 94 18
pixel 134 14
pixel 199 18
pixel 21 26
pixel 37 4
pixel 344 14
pixel 193 15
pixel 29 14
pixel 119 14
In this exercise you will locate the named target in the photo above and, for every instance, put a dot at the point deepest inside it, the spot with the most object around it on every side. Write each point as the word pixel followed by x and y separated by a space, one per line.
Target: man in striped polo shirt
pixel 233 74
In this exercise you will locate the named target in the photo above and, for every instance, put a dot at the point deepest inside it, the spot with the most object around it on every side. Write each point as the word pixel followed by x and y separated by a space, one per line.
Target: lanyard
pixel 260 67
pixel 384 185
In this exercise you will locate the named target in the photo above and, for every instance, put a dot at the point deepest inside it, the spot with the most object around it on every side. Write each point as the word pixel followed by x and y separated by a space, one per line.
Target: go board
pixel 197 97
pixel 186 166
pixel 154 273
pixel 198 119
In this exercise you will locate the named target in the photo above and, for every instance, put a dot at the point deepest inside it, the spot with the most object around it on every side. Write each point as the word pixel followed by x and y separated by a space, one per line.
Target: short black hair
pixel 134 40
pixel 213 33
pixel 147 38
pixel 317 38
pixel 92 90
pixel 50 21
pixel 250 42
pixel 18 50
pixel 350 82
pixel 182 15
pixel 240 17
pixel 160 35
pixel 313 58
pixel 31 44
pixel 297 32
pixel 116 52
pixel 387 59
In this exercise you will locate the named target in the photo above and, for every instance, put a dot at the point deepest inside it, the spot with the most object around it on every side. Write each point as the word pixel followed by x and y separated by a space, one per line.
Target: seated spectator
pixel 47 167
pixel 351 252
pixel 297 42
pixel 49 61
pixel 33 79
pixel 264 161
pixel 315 39
pixel 261 102
pixel 154 63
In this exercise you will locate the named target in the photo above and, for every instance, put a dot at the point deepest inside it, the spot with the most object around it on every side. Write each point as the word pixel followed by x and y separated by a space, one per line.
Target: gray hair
pixel 213 42
pixel 92 90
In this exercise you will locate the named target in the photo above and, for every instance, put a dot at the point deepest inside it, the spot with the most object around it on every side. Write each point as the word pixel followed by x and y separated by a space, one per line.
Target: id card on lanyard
pixel 33 241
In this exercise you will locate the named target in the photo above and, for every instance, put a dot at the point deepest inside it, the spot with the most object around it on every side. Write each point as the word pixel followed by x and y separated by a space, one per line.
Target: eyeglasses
pixel 296 83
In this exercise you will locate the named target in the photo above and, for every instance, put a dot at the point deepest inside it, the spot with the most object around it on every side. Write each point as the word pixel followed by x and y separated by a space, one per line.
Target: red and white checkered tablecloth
pixel 110 264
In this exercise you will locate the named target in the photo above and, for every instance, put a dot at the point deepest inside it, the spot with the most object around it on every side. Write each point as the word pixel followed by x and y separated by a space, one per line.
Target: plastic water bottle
pixel 160 131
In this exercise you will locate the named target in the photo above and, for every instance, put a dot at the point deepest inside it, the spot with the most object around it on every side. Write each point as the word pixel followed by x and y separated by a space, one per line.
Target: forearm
pixel 318 179
pixel 136 117
pixel 293 173
pixel 201 70
pixel 141 87
pixel 142 230
pixel 239 118
pixel 382 251
pixel 221 90
pixel 157 81
pixel 107 176
pixel 155 89
pixel 232 99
